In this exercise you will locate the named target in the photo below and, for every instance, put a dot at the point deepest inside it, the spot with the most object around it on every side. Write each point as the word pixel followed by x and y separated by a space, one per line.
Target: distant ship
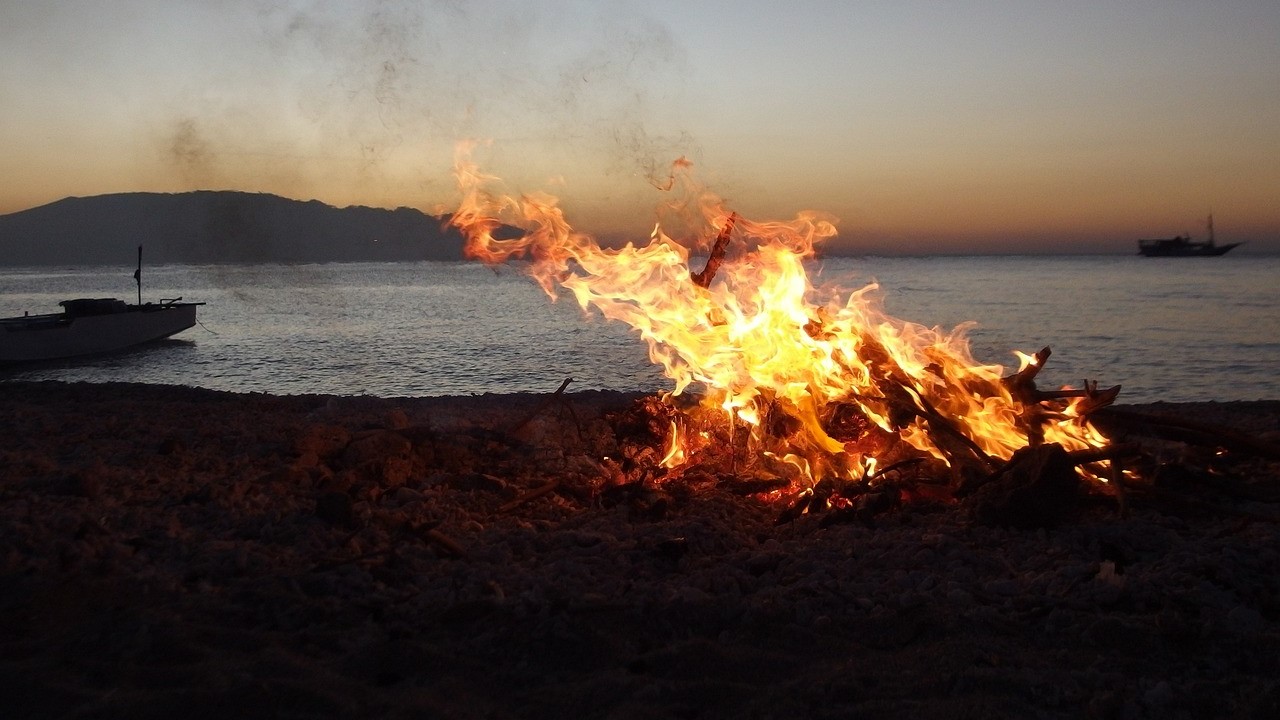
pixel 1182 246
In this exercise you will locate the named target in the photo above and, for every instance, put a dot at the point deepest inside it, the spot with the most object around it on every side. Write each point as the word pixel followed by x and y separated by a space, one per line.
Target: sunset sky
pixel 925 127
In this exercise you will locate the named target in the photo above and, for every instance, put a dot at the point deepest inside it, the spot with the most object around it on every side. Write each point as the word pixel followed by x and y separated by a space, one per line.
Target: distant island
pixel 218 226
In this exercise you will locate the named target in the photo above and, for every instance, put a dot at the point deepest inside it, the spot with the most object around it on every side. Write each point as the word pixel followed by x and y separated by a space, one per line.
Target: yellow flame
pixel 676 453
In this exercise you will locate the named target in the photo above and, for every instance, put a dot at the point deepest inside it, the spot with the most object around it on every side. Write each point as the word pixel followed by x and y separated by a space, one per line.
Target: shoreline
pixel 168 549
pixel 1265 404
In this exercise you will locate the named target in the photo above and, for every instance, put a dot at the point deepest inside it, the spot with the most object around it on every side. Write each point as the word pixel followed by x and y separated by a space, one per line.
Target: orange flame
pixel 756 334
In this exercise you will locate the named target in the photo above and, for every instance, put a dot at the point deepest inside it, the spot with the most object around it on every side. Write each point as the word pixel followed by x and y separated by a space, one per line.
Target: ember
pixel 831 395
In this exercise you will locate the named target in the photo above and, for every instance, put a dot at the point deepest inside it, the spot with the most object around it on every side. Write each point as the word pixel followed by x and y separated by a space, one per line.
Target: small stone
pixel 335 509
pixel 170 446
pixel 1007 588
pixel 1159 696
pixel 405 495
pixel 321 440
pixel 1244 620
pixel 374 447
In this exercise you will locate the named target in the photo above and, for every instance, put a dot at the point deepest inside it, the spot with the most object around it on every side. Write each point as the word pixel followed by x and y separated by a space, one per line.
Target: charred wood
pixel 864 508
pixel 1022 384
pixel 704 278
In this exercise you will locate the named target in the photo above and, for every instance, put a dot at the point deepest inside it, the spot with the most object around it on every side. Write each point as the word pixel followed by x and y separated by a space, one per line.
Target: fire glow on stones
pixel 825 386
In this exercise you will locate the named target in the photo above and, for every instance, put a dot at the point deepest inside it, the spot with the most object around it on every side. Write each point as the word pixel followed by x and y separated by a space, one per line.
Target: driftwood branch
pixel 444 542
pixel 530 495
pixel 1093 399
pixel 1187 431
pixel 556 397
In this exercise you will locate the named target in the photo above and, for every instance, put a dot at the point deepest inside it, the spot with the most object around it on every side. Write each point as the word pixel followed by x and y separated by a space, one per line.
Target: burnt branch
pixel 704 278
pixel 939 421
pixel 1022 384
pixel 1093 398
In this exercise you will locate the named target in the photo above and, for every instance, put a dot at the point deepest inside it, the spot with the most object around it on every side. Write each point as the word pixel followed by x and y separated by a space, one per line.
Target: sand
pixel 171 552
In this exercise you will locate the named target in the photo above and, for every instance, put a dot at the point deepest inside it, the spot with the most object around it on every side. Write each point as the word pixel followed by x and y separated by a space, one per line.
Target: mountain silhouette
pixel 209 226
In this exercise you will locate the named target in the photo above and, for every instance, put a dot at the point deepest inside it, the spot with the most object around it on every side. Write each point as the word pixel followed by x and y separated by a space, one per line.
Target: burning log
pixel 1022 384
pixel 937 420
pixel 1094 399
pixel 1040 485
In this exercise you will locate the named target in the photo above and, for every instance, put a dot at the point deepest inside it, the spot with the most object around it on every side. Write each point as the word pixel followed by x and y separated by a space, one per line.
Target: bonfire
pixel 812 394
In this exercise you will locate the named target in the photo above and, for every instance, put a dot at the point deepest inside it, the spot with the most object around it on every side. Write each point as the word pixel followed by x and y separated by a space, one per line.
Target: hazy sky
pixel 924 126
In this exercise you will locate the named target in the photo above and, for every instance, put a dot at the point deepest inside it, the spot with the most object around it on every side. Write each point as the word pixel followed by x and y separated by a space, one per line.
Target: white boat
pixel 93 326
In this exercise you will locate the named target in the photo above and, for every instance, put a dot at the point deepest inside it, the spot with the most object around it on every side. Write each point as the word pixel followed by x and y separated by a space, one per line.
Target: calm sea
pixel 1177 330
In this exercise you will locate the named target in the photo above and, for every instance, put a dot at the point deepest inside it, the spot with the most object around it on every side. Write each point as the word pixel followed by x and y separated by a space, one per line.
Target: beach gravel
pixel 170 551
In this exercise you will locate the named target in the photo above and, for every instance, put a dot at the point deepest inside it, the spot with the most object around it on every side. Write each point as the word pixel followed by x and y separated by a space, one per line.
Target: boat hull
pixel 1184 246
pixel 1184 250
pixel 60 336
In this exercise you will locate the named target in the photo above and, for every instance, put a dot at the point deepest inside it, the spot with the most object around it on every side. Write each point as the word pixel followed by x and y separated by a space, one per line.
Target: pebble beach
pixel 176 551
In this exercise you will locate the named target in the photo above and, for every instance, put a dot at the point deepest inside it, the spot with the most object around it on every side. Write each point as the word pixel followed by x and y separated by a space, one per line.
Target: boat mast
pixel 1210 224
pixel 137 275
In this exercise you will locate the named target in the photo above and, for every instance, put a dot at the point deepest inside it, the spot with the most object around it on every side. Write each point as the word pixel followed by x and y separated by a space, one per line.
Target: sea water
pixel 1164 329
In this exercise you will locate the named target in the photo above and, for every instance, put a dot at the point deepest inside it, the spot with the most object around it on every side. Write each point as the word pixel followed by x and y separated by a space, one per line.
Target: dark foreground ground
pixel 170 552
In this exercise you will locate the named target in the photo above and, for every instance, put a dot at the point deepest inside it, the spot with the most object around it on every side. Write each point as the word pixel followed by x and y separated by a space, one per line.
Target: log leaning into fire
pixel 936 420
pixel 1094 399
pixel 1022 385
